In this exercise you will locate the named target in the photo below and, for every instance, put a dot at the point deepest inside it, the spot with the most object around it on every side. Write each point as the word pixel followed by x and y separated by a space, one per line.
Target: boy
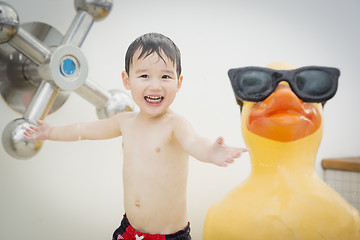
pixel 157 143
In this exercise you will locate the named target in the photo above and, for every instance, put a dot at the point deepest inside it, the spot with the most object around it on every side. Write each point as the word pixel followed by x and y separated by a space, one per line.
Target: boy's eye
pixel 144 76
pixel 166 77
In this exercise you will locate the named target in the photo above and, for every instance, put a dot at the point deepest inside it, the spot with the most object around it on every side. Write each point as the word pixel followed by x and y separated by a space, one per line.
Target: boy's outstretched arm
pixel 202 149
pixel 97 130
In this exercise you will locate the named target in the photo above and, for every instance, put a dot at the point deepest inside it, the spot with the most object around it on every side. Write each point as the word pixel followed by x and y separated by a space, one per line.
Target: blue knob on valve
pixel 67 67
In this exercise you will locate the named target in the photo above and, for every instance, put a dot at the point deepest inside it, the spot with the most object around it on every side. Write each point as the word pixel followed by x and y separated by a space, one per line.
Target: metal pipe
pixel 41 102
pixel 30 46
pixel 32 72
pixel 93 93
pixel 78 29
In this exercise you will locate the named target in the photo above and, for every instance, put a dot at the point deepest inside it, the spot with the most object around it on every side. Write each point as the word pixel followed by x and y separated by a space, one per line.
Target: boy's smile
pixel 154 99
pixel 153 82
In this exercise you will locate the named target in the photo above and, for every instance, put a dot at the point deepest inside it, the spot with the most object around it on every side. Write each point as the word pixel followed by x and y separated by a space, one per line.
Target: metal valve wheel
pixel 39 68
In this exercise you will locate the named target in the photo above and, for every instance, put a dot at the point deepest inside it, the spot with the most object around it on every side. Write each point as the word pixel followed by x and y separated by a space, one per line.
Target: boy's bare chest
pixel 147 139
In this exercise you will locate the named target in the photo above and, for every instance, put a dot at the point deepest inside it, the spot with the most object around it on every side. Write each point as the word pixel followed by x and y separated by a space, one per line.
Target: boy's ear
pixel 125 78
pixel 179 82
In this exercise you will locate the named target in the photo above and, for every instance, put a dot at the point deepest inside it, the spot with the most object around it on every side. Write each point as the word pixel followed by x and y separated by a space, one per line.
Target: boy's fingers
pixel 223 164
pixel 236 154
pixel 28 136
pixel 244 149
pixel 40 122
pixel 28 130
pixel 238 151
pixel 220 140
pixel 34 128
pixel 231 160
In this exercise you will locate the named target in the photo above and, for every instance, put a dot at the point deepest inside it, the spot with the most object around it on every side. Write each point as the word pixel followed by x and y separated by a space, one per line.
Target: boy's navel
pixel 137 203
pixel 157 149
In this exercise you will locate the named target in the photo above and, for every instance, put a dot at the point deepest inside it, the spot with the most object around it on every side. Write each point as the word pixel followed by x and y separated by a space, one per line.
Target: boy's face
pixel 153 83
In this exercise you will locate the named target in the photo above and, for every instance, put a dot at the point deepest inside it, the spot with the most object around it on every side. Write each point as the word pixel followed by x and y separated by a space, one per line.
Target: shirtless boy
pixel 157 143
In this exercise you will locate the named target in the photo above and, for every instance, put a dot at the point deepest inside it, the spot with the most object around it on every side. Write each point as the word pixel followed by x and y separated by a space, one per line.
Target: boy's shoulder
pixel 177 119
pixel 173 116
pixel 123 116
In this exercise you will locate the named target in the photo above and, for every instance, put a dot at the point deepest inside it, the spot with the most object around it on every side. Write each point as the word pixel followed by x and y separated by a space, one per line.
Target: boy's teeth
pixel 153 99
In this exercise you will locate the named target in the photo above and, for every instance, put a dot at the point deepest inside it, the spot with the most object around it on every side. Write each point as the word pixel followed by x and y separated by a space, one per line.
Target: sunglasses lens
pixel 254 85
pixel 314 82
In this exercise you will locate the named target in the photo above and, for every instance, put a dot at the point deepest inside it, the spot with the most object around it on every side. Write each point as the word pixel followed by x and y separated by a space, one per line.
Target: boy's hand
pixel 38 133
pixel 222 155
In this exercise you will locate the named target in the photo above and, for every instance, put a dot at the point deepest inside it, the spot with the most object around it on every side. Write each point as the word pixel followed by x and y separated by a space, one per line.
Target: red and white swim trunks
pixel 127 232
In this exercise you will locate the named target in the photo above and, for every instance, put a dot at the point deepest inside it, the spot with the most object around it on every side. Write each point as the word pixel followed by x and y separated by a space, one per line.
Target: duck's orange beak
pixel 283 116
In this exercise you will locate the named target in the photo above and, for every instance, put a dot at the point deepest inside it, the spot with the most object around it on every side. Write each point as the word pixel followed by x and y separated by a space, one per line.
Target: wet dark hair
pixel 154 42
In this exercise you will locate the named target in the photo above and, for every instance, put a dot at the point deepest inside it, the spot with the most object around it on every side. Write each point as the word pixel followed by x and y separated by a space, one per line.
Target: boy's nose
pixel 155 84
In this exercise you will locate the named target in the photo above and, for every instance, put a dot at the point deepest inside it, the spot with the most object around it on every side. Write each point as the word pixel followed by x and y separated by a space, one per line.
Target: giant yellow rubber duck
pixel 283 197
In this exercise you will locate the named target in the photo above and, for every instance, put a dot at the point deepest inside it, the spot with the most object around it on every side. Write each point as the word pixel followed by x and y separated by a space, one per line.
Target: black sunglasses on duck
pixel 310 84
